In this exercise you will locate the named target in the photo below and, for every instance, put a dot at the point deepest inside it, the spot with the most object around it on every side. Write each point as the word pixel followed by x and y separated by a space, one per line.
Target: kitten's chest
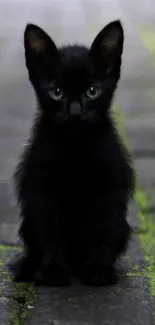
pixel 74 159
pixel 76 166
pixel 72 150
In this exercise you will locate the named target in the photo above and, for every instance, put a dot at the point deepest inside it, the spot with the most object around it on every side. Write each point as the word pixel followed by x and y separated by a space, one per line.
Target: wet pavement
pixel 132 301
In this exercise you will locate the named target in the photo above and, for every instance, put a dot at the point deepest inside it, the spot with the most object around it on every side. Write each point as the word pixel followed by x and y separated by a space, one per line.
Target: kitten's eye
pixel 56 93
pixel 93 92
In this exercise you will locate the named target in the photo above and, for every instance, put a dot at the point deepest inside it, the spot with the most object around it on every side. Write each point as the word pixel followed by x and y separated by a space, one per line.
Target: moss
pixel 147 240
pixel 14 319
pixel 25 295
pixel 136 268
pixel 21 293
pixel 7 248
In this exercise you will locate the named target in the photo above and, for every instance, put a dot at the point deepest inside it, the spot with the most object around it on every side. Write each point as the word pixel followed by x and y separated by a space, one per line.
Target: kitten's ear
pixel 38 46
pixel 109 42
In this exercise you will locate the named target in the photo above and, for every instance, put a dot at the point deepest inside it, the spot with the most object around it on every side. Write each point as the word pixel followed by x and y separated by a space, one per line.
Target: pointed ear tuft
pixel 109 41
pixel 39 48
pixel 36 40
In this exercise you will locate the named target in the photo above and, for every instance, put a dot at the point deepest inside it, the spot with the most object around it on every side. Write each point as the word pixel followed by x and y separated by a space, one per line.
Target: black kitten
pixel 75 177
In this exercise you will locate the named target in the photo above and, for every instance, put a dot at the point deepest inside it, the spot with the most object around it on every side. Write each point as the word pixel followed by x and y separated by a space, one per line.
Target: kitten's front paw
pixel 54 276
pixel 22 270
pixel 97 276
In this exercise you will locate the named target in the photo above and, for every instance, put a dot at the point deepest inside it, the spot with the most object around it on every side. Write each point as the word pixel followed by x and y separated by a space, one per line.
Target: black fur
pixel 75 178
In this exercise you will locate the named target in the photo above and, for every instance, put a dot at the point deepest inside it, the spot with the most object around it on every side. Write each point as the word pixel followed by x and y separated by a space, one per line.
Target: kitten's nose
pixel 75 109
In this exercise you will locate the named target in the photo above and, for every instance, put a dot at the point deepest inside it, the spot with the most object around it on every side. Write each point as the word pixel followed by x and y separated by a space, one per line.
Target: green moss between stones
pixel 14 318
pixel 147 240
pixel 6 248
pixel 24 293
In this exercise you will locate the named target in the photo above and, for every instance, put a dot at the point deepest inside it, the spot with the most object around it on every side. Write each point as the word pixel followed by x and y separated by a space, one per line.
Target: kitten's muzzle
pixel 75 109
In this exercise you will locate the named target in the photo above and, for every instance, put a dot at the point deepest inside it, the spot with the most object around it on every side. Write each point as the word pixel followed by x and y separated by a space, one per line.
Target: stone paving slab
pixel 8 310
pixel 127 303
pixel 137 103
pixel 146 173
pixel 142 135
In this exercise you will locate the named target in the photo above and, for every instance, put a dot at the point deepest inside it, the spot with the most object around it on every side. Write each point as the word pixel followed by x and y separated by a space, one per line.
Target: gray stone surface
pixel 127 304
pixel 137 106
pixel 146 173
pixel 8 308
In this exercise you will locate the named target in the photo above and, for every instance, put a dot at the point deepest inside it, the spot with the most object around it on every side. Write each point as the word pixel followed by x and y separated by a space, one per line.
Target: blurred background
pixel 70 21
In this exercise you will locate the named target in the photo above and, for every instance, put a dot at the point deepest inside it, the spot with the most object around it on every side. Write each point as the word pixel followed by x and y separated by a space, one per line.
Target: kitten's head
pixel 74 82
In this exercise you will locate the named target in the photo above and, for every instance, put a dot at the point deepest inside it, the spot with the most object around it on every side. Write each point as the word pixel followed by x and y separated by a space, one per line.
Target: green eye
pixel 56 93
pixel 93 92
